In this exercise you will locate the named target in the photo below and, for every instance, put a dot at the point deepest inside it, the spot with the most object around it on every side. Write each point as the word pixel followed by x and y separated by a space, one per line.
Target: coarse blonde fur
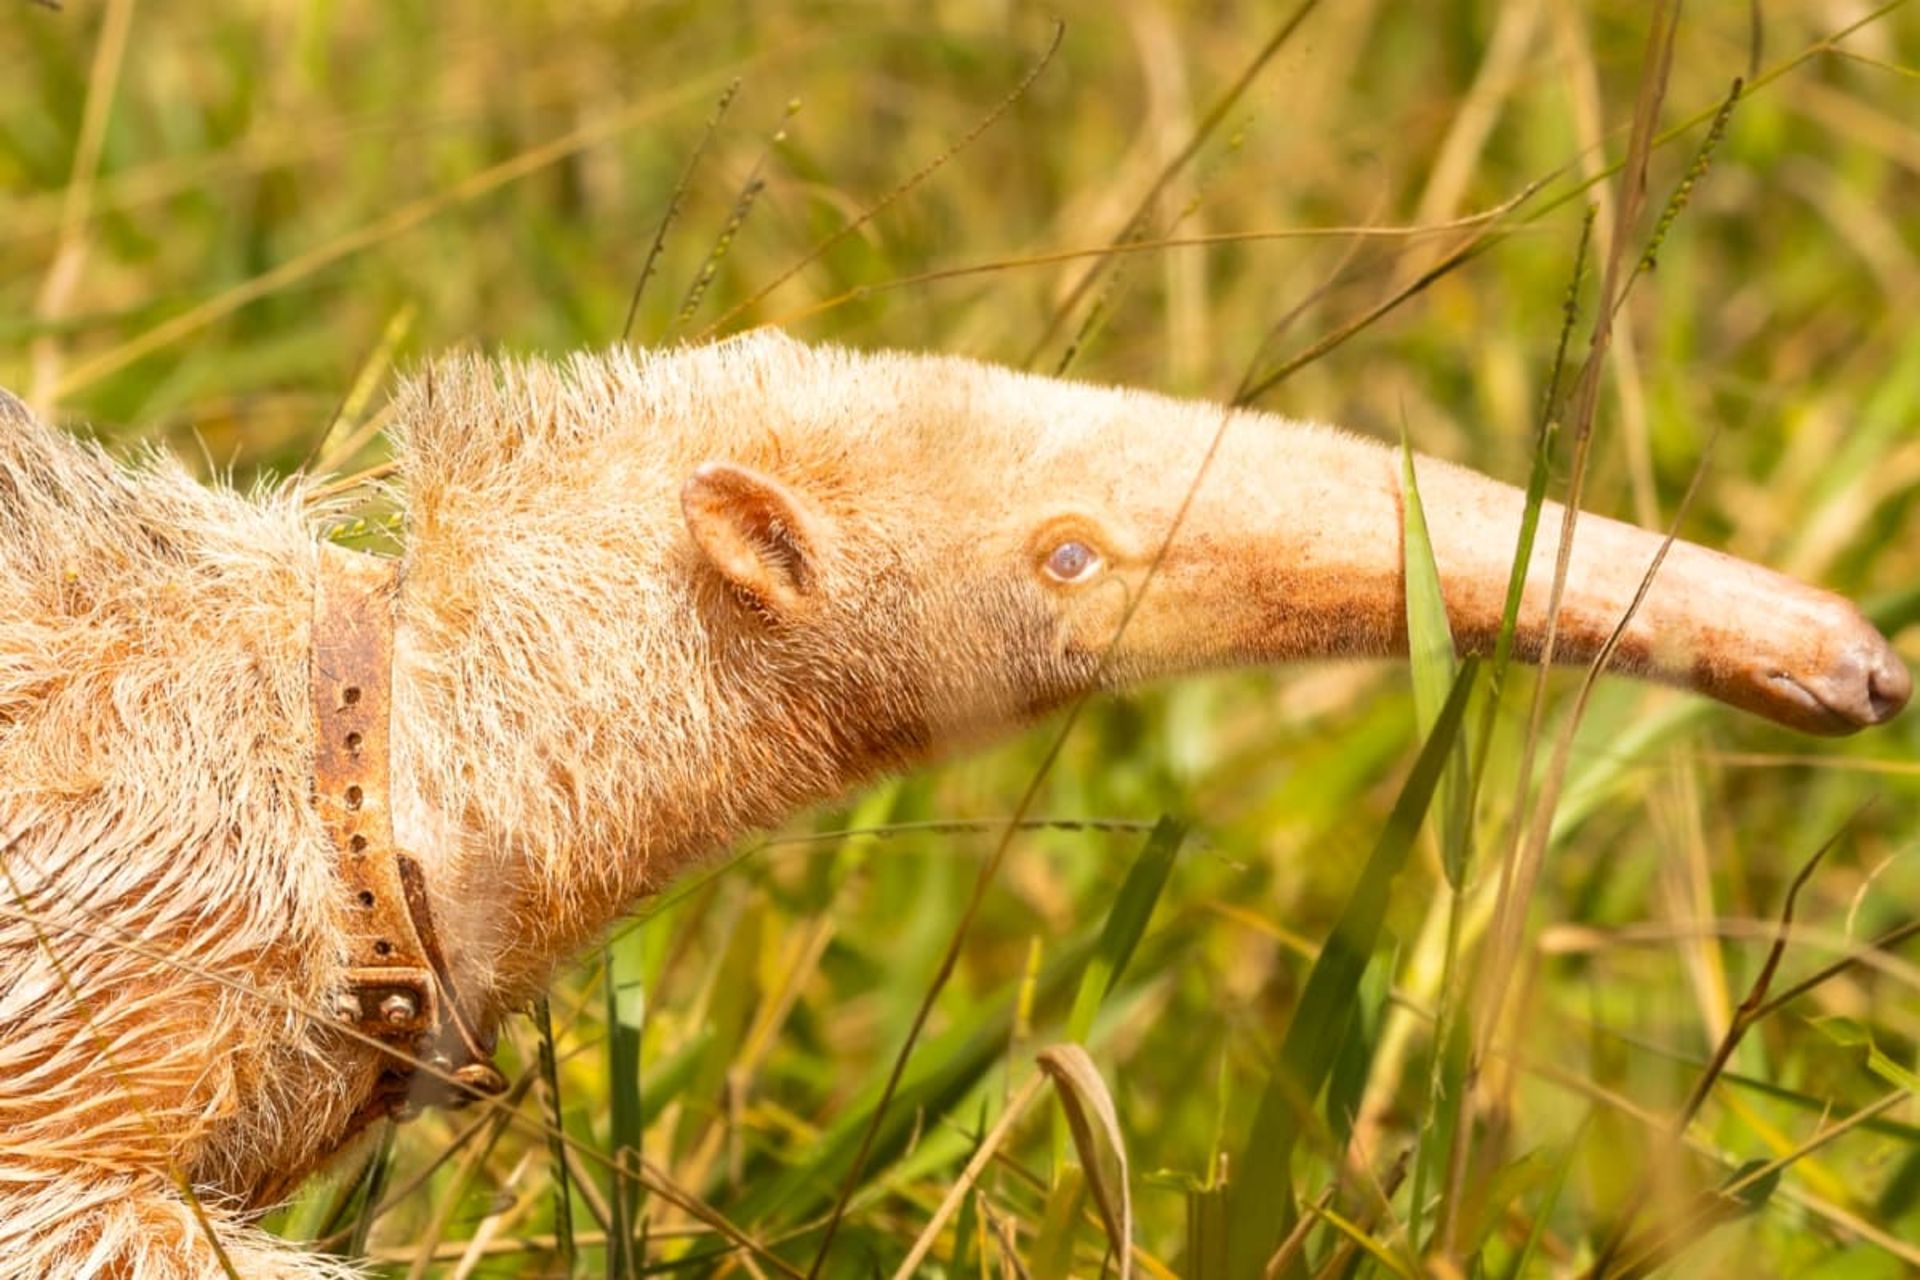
pixel 647 602
pixel 567 735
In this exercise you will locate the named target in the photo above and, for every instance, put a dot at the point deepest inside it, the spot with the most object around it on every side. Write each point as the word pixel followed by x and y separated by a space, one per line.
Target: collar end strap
pixel 396 988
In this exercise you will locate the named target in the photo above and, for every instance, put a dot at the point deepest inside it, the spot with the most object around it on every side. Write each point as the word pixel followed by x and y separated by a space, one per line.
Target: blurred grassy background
pixel 276 204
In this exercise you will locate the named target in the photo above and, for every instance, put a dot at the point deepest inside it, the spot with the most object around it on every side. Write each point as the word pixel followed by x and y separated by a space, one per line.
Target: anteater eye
pixel 1072 562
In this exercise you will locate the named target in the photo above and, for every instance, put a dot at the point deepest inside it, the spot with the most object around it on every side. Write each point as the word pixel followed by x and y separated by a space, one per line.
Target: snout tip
pixel 1889 685
pixel 1865 684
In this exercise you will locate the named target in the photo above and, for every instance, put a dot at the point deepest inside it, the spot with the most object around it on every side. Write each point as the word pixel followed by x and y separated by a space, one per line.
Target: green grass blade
pixel 966 1232
pixel 1855 1035
pixel 1125 924
pixel 1051 1257
pixel 556 1143
pixel 1259 1199
pixel 1353 1063
pixel 954 1064
pixel 625 1012
pixel 379 1170
pixel 1358 1236
pixel 1563 1165
pixel 1430 649
pixel 1207 1234
pixel 1452 1049
pixel 324 1202
pixel 1901 1192
pixel 1429 637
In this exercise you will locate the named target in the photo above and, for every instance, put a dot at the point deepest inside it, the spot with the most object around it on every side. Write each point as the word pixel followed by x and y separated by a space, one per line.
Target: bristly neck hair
pixel 579 710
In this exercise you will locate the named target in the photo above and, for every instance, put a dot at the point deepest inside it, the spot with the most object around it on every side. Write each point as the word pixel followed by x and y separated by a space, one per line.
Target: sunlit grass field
pixel 225 230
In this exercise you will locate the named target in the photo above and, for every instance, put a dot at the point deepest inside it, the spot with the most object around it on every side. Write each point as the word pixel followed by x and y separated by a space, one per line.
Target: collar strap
pixel 396 987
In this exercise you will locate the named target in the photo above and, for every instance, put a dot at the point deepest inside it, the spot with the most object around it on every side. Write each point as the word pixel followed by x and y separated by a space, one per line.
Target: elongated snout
pixel 1293 548
pixel 1743 634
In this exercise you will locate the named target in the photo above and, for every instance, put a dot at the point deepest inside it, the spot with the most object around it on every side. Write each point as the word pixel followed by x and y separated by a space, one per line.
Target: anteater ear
pixel 763 537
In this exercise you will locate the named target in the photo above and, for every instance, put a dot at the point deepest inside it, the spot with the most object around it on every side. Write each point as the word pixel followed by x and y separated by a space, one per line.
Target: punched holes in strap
pixel 390 989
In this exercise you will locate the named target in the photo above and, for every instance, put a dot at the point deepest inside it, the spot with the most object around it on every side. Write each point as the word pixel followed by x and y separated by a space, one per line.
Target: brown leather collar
pixel 396 989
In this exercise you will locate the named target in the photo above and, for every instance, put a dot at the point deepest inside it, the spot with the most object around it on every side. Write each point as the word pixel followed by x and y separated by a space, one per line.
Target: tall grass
pixel 223 230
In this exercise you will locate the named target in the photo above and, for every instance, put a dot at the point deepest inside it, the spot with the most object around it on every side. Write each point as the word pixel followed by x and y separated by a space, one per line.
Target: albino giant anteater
pixel 647 603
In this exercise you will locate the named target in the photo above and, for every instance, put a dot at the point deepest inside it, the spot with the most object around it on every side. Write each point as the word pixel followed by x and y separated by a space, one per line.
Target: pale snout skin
pixel 1753 638
pixel 1292 547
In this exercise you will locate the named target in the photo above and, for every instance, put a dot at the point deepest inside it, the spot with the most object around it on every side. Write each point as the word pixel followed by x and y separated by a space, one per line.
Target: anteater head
pixel 927 550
